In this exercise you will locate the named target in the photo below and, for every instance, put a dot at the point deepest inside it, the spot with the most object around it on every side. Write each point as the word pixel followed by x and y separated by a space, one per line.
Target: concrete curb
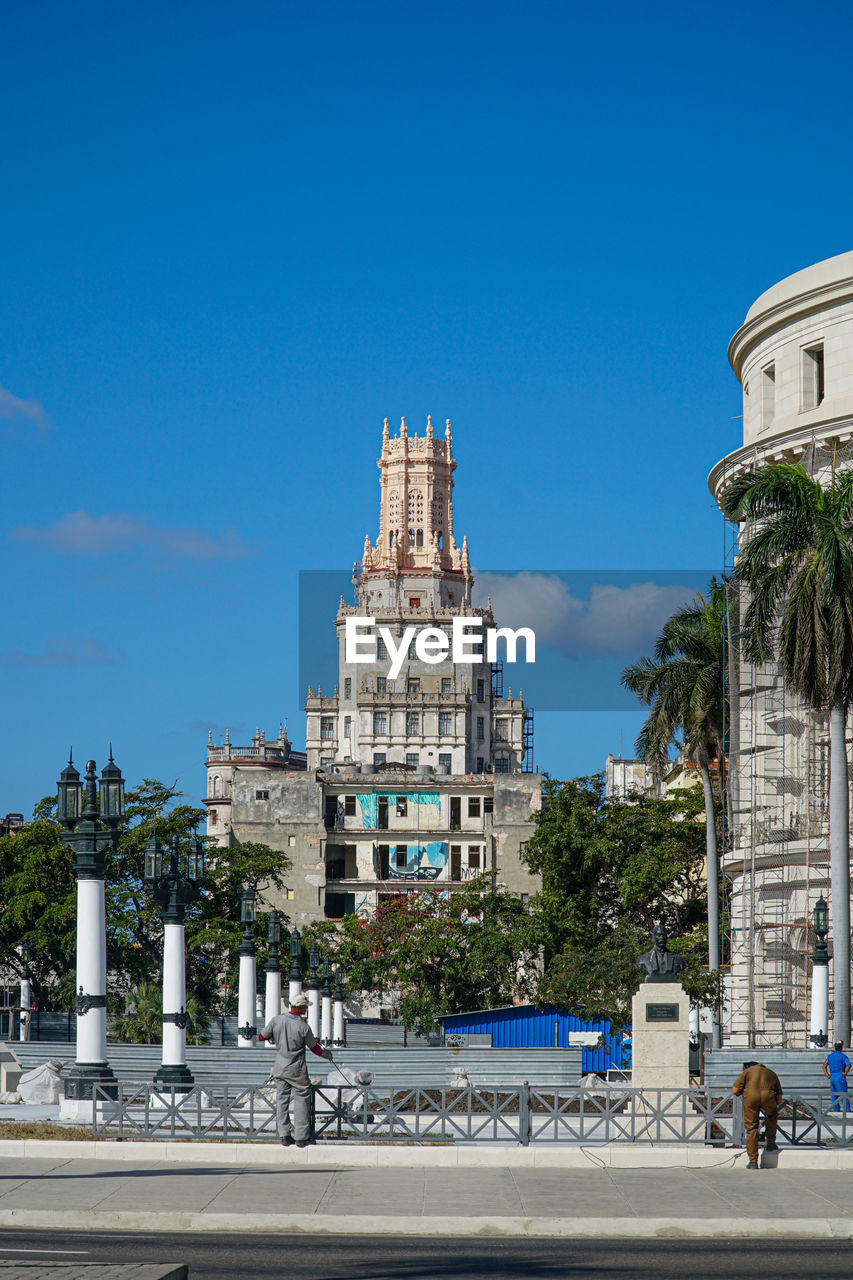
pixel 390 1225
pixel 490 1155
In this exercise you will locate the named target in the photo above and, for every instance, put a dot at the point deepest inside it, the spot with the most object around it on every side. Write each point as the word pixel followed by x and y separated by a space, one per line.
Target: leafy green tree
pixel 796 563
pixel 141 1022
pixel 443 952
pixel 685 686
pixel 610 870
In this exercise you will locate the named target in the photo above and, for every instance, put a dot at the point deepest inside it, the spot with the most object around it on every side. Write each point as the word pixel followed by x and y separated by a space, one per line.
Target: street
pixel 323 1257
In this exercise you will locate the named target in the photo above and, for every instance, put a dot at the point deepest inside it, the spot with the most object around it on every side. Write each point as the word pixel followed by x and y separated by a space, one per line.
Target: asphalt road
pixel 211 1257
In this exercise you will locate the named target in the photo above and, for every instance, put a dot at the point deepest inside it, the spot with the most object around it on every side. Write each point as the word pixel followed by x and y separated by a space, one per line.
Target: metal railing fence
pixel 518 1114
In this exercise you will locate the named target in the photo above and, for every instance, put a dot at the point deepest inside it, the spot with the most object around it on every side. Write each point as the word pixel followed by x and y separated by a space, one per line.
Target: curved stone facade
pixel 793 356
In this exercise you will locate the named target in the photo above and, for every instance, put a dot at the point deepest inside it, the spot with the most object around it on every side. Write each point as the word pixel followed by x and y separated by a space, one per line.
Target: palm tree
pixel 797 565
pixel 685 686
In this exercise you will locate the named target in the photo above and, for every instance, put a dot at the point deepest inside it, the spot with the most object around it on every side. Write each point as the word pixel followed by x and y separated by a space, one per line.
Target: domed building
pixel 793 356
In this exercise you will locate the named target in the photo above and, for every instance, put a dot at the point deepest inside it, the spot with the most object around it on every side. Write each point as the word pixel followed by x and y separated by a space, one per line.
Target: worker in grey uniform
pixel 291 1035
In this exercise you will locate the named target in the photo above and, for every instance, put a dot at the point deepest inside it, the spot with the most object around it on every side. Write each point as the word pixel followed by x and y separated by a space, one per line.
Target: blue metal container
pixel 527 1027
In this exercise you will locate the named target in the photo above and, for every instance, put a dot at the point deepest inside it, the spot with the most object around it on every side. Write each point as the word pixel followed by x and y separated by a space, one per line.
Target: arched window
pixel 420 538
pixel 217 787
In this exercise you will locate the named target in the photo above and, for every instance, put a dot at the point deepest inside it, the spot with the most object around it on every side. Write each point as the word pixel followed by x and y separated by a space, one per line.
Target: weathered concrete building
pixel 417 769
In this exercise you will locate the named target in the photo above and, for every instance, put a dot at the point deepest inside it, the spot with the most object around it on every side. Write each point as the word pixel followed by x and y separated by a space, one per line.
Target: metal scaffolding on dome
pixel 776 860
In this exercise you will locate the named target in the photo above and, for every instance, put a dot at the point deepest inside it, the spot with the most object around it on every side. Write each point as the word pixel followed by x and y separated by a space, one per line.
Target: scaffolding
pixel 776 860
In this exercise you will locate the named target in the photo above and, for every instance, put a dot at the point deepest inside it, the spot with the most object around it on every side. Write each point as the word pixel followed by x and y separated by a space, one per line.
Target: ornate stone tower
pixel 416 548
pixel 450 719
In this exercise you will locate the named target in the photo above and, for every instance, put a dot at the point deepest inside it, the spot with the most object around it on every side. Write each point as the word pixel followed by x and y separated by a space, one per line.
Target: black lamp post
pixel 314 985
pixel 247 990
pixel 90 819
pixel 820 977
pixel 272 990
pixel 174 889
pixel 295 975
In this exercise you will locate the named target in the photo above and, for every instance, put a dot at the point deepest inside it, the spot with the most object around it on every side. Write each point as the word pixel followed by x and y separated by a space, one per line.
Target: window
pixel 481 690
pixel 348 687
pixel 413 685
pixel 444 760
pixel 481 728
pixel 413 722
pixel 381 684
pixel 381 651
pixel 446 684
pixel 768 395
pixel 473 806
pixel 500 731
pixel 473 857
pixel 347 726
pixel 217 786
pixel 502 764
pixel 212 817
pixel 480 763
pixel 382 861
pixel 521 848
pixel 813 376
pixel 401 856
pixel 414 602
pixel 349 806
pixel 327 727
pixel 456 862
pixel 379 757
pixel 262 795
pixel 412 758
pixel 402 806
pixel 445 723
pixel 291 840
pixel 455 813
pixel 326 762
pixel 488 804
pixel 380 722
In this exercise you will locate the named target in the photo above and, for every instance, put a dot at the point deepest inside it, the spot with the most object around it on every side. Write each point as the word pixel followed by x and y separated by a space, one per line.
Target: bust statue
pixel 660 965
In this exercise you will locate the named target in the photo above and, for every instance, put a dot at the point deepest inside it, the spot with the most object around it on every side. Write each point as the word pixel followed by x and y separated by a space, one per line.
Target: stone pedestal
pixel 660 1037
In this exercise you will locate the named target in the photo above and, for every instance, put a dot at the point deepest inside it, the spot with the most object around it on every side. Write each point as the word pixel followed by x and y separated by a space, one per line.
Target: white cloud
pixel 81 533
pixel 614 619
pixel 14 409
pixel 62 651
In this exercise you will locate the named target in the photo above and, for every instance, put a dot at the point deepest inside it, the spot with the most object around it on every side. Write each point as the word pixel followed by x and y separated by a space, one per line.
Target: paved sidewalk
pixel 596 1200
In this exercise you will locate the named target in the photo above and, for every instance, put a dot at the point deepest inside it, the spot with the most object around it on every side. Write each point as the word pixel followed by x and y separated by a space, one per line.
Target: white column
pixel 338 1023
pixel 326 1020
pixel 314 1009
pixel 819 1022
pixel 294 989
pixel 246 1001
pixel 26 1004
pixel 693 1022
pixel 91 970
pixel 174 994
pixel 272 1001
pixel 260 1020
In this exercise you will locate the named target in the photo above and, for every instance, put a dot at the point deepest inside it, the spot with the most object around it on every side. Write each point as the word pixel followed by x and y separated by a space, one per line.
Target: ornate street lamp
pixel 820 978
pixel 314 989
pixel 272 990
pixel 174 889
pixel 326 1005
pixel 90 819
pixel 338 1032
pixel 26 993
pixel 246 1028
pixel 295 975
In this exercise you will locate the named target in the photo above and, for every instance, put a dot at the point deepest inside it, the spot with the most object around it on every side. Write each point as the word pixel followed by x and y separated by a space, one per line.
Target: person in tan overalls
pixel 761 1091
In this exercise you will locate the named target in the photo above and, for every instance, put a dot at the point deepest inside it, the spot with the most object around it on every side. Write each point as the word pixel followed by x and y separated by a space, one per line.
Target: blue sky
pixel 235 239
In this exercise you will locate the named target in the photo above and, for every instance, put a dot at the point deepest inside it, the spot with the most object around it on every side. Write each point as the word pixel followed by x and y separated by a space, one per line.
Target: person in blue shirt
pixel 836 1069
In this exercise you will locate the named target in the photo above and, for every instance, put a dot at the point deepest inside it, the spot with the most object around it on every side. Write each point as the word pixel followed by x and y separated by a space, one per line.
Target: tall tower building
pixel 793 357
pixel 446 717
pixel 414 772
